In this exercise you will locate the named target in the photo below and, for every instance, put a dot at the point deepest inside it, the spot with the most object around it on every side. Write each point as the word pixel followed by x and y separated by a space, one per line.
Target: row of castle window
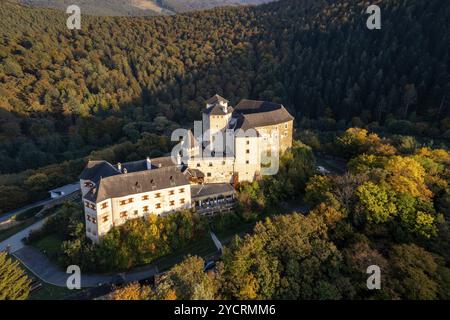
pixel 131 200
pixel 124 214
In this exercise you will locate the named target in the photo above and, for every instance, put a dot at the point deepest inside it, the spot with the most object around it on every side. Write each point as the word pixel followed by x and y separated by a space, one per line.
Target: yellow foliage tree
pixel 406 175
pixel 132 291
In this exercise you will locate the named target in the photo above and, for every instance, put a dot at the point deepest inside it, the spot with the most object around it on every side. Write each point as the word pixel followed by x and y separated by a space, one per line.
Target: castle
pixel 228 146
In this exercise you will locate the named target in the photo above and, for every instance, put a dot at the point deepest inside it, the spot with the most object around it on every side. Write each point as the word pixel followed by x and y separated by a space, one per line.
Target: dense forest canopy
pixel 138 7
pixel 64 94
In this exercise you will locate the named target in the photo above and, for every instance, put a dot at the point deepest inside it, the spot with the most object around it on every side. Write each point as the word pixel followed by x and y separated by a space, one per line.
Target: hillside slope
pixel 104 7
pixel 138 7
pixel 57 86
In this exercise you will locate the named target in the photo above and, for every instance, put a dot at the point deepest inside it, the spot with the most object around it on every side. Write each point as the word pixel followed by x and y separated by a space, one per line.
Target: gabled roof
pixel 137 182
pixel 254 114
pixel 94 170
pixel 216 98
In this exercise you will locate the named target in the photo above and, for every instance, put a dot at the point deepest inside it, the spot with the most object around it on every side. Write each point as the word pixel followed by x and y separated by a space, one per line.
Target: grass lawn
pixel 28 213
pixel 227 235
pixel 49 245
pixel 51 292
pixel 202 247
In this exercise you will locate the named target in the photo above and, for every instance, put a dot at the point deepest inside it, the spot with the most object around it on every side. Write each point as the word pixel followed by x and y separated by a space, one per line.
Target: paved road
pixel 48 272
pixel 15 242
pixel 44 202
pixel 216 241
pixel 20 210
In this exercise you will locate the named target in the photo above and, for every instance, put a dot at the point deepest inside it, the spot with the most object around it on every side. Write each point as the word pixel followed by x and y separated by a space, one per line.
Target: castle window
pixel 93 207
pixel 247 151
pixel 88 217
pixel 208 174
pixel 171 192
pixel 136 212
pixel 182 190
pixel 123 202
pixel 223 163
pixel 158 206
pixel 285 125
pixel 145 197
pixel 94 220
pixel 182 201
pixel 172 202
pixel 105 218
pixel 210 164
pixel 86 204
pixel 104 205
pixel 247 162
pixel 145 209
pixel 123 214
pixel 198 165
pixel 248 142
pixel 130 200
pixel 158 195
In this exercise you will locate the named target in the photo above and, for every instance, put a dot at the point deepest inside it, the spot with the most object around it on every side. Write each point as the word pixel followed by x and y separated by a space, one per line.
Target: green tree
pixel 377 202
pixel 188 281
pixel 415 272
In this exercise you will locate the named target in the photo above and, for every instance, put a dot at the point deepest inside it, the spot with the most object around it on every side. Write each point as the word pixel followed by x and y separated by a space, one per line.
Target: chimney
pixel 149 164
pixel 119 166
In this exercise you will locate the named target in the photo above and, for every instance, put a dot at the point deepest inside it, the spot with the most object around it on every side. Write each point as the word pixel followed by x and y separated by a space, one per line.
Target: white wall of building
pixel 117 211
pixel 216 169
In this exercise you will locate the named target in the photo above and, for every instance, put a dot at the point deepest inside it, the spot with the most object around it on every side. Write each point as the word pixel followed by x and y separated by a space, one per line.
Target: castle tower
pixel 215 120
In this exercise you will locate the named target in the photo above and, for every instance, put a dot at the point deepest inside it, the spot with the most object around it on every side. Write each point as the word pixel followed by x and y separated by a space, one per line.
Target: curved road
pixel 8 215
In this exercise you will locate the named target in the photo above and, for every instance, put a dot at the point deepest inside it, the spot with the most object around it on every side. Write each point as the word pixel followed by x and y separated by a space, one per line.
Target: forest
pixel 65 95
pixel 139 7
pixel 390 209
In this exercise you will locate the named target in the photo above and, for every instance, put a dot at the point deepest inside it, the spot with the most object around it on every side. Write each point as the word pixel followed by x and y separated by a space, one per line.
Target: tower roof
pixel 216 98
